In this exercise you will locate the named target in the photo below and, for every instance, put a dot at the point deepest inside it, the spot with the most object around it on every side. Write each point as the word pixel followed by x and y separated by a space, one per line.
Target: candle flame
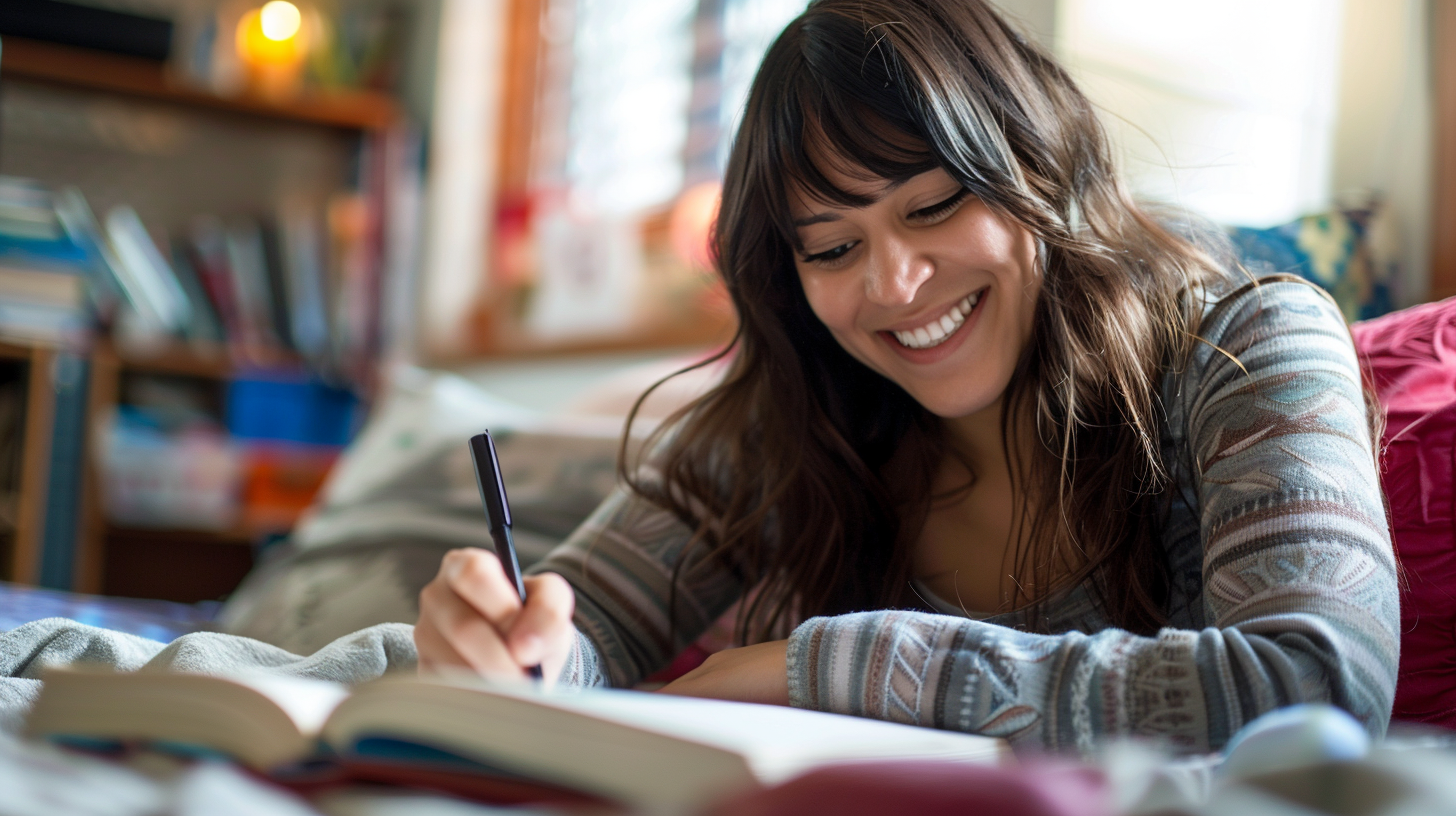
pixel 281 20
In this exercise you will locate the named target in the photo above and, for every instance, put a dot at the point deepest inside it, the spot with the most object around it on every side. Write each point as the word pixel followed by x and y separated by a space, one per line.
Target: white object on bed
pixel 404 494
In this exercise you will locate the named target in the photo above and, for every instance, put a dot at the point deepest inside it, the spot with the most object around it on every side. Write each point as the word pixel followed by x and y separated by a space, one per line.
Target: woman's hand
pixel 751 674
pixel 471 618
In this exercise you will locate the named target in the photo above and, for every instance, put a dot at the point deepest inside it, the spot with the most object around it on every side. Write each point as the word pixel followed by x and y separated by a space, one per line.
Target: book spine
pixel 205 327
pixel 279 308
pixel 63 491
pixel 303 263
pixel 208 251
pixel 250 288
pixel 152 286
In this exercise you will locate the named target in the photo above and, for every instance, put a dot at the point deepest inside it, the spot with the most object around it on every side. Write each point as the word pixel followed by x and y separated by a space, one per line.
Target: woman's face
pixel 927 286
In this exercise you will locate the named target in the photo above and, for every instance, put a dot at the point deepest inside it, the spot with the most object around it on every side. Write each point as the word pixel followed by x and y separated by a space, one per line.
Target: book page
pixel 778 741
pixel 307 702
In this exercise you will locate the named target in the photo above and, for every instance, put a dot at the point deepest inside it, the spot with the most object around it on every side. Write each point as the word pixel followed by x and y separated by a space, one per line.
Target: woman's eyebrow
pixel 817 218
pixel 823 217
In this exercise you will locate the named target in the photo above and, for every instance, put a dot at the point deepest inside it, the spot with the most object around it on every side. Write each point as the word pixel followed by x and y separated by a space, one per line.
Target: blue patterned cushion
pixel 1333 249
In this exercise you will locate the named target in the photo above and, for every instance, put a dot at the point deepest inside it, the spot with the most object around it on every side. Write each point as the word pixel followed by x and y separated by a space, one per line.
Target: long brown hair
pixel 810 475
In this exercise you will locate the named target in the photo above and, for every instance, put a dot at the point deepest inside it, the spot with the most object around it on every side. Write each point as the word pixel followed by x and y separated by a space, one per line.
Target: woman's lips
pixel 949 343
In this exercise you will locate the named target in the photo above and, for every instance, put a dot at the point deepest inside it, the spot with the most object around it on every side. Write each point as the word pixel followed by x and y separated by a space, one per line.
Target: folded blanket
pixel 26 650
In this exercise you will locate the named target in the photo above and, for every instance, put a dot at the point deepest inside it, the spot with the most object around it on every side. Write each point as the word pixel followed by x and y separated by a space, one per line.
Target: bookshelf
pixel 157 562
pixel 330 131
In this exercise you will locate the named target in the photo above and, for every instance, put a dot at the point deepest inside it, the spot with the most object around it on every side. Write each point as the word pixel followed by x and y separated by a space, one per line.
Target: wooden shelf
pixel 171 535
pixel 15 351
pixel 97 70
pixel 191 361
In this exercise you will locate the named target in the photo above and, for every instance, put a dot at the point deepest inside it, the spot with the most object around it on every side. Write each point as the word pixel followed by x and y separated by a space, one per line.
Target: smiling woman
pixel 997 449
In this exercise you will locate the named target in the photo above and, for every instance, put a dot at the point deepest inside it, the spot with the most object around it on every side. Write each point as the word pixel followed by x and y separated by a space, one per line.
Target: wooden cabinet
pixel 150 562
pixel 23 542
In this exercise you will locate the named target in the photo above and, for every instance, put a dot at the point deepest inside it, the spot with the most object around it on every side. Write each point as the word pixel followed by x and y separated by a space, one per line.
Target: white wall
pixel 1383 129
pixel 1374 114
pixel 462 173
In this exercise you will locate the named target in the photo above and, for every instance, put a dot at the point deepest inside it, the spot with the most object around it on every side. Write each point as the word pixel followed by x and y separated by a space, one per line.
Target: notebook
pixel 632 747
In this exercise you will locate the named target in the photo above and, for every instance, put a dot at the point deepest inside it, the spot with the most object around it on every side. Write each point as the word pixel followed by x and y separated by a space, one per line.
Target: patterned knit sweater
pixel 1283 578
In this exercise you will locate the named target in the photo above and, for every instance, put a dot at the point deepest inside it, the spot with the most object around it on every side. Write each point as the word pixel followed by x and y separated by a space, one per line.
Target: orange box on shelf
pixel 280 481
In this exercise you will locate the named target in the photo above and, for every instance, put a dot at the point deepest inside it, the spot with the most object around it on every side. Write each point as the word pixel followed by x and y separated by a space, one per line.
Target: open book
pixel 644 749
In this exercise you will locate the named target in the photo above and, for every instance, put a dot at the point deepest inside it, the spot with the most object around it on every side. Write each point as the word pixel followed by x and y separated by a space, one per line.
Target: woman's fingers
pixel 477 576
pixel 472 617
pixel 436 653
pixel 453 632
pixel 544 624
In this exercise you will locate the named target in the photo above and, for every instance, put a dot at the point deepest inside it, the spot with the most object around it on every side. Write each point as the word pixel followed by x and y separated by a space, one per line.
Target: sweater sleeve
pixel 629 621
pixel 1299 579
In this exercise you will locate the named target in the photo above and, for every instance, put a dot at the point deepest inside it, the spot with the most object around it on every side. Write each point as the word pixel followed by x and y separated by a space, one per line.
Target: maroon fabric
pixel 1411 357
pixel 930 789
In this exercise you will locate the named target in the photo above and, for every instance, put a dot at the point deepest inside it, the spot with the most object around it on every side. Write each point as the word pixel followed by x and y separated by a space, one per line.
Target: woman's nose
pixel 896 272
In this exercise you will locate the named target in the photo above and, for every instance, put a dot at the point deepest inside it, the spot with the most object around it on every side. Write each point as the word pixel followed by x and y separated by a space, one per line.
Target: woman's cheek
pixel 831 298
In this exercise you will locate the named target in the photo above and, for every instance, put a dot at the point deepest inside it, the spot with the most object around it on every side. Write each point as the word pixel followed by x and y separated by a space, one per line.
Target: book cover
pixel 279 307
pixel 207 249
pixel 151 285
pixel 243 242
pixel 204 327
pixel 304 268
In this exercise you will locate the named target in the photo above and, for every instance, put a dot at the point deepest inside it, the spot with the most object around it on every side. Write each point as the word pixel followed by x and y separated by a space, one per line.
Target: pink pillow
pixel 1411 357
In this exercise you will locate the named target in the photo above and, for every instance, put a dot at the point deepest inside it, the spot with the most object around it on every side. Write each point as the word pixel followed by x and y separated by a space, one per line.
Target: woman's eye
pixel 942 208
pixel 829 256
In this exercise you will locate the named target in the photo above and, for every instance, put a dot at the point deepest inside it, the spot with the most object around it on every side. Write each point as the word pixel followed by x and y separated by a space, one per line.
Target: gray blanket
pixel 26 650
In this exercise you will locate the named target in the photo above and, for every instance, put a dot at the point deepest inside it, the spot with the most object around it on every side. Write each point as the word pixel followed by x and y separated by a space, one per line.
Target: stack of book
pixel 46 276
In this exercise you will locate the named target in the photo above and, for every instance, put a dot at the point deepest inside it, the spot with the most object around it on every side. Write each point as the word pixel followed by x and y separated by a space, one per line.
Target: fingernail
pixel 453 566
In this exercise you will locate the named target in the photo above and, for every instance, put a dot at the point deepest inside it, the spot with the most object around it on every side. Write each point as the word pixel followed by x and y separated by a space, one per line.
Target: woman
pixel 996 450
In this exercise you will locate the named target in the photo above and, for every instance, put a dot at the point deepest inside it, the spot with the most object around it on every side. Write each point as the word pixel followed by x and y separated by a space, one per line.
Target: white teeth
pixel 938 331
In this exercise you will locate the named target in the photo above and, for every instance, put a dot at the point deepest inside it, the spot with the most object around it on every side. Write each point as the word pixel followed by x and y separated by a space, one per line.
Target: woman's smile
pixel 939 337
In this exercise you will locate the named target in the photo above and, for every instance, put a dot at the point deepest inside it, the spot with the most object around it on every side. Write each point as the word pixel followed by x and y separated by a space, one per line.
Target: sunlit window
pixel 1226 108
pixel 749 27
pixel 629 98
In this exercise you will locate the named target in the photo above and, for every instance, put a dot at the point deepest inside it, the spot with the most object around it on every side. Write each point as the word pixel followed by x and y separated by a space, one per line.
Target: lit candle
pixel 272 45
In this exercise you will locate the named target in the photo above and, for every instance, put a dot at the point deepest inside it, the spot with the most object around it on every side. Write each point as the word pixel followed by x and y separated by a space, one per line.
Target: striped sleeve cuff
pixel 868 664
pixel 583 667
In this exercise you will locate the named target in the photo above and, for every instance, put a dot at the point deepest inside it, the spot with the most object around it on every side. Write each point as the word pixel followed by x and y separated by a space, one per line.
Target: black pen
pixel 498 514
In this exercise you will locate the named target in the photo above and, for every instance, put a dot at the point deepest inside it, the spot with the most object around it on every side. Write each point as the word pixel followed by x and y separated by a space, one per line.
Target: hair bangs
pixel 843 115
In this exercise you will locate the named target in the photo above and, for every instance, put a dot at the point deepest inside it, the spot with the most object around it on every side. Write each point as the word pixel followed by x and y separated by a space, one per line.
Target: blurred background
pixel 246 245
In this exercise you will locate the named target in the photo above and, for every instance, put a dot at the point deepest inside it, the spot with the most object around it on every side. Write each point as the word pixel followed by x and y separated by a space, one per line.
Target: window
pixel 627 112
pixel 1226 108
